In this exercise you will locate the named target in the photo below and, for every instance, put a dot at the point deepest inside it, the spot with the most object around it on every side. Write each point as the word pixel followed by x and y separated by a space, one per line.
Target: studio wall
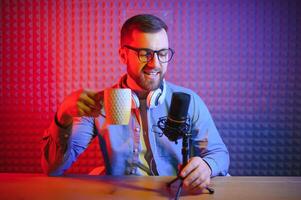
pixel 242 57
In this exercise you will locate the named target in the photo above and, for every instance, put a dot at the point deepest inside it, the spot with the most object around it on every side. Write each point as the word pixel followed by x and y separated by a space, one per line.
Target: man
pixel 136 148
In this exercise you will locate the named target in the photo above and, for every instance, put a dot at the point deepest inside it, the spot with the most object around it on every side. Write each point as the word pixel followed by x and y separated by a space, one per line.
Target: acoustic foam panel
pixel 242 57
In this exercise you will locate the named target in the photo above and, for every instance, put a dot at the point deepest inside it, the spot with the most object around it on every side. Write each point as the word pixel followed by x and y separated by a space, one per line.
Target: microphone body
pixel 177 122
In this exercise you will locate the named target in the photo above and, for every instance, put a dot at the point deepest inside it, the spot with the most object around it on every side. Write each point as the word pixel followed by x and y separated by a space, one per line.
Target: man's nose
pixel 154 62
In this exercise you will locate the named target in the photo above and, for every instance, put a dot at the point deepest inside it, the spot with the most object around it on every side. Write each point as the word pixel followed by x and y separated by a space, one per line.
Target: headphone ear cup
pixel 149 100
pixel 162 96
pixel 153 98
pixel 135 101
pixel 156 97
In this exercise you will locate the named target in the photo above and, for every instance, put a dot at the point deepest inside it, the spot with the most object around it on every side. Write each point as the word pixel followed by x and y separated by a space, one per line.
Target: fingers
pixel 192 164
pixel 88 101
pixel 198 186
pixel 81 103
pixel 84 110
pixel 193 179
pixel 88 104
pixel 192 190
pixel 96 96
pixel 196 175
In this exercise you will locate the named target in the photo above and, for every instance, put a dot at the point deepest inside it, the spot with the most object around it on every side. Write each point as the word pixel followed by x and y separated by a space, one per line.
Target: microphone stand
pixel 185 154
pixel 185 150
pixel 185 131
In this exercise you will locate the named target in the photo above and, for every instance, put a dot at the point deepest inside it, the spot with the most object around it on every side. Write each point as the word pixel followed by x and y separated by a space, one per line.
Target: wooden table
pixel 38 186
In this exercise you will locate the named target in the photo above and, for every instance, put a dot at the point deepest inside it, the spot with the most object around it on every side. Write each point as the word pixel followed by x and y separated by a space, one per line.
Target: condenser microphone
pixel 177 122
pixel 177 125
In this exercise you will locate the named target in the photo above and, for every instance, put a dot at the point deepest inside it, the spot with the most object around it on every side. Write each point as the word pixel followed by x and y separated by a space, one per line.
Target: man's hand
pixel 196 175
pixel 78 104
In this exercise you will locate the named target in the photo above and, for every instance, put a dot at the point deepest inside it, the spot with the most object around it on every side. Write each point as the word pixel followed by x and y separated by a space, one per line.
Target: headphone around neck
pixel 153 99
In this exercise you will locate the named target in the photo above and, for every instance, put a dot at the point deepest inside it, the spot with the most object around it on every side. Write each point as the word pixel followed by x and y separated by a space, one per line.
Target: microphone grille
pixel 179 106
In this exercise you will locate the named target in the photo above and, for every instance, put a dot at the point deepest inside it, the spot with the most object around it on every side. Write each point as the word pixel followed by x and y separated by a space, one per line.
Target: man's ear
pixel 123 55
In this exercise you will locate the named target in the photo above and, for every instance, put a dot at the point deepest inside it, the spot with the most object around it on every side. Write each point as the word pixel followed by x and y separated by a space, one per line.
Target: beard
pixel 146 83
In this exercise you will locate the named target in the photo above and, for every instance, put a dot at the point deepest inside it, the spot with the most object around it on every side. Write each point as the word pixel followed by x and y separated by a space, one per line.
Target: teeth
pixel 151 73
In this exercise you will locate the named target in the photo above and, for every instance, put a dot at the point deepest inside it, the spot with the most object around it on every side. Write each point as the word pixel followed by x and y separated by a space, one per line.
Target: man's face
pixel 148 76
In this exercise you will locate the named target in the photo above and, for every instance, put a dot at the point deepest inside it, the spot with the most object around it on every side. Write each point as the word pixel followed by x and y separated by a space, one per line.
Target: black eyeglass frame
pixel 137 50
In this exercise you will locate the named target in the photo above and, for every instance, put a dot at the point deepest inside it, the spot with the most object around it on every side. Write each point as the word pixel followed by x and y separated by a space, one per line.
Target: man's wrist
pixel 64 125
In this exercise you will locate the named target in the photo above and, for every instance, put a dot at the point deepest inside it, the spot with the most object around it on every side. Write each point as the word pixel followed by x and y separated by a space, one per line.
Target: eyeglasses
pixel 145 55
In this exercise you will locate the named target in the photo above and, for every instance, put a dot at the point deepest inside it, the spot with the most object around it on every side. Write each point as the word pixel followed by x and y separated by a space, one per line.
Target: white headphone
pixel 154 98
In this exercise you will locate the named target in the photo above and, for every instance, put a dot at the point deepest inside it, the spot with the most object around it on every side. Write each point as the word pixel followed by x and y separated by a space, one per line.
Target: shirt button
pixel 66 136
pixel 135 150
pixel 137 129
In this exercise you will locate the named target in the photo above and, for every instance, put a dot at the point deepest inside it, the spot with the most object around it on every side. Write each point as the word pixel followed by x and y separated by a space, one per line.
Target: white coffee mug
pixel 117 105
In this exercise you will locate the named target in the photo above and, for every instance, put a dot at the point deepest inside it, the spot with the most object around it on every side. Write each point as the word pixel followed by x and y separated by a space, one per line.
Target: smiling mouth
pixel 151 73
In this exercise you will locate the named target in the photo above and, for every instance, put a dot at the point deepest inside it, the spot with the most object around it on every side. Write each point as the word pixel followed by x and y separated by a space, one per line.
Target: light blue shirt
pixel 119 143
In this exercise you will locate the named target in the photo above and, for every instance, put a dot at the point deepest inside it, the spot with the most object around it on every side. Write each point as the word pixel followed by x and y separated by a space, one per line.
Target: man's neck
pixel 131 83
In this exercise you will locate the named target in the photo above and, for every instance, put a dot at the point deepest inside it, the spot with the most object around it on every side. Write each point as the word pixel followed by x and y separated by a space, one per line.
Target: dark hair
pixel 146 23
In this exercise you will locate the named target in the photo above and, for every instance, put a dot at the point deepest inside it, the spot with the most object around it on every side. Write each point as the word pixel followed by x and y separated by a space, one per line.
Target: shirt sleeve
pixel 62 146
pixel 207 142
